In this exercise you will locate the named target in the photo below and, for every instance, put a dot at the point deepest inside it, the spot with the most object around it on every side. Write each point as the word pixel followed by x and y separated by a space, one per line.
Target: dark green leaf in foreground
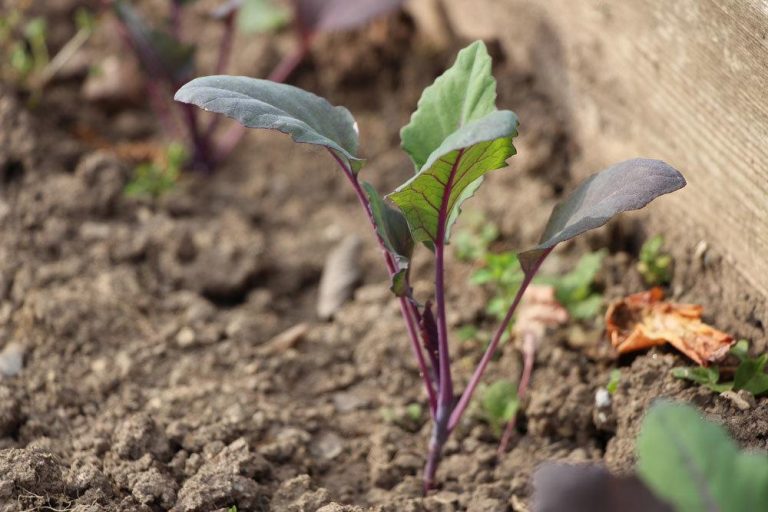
pixel 160 54
pixel 392 227
pixel 453 172
pixel 256 103
pixel 628 185
pixel 696 466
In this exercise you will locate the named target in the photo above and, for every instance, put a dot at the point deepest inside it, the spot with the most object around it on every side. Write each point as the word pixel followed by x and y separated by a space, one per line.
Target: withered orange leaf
pixel 644 320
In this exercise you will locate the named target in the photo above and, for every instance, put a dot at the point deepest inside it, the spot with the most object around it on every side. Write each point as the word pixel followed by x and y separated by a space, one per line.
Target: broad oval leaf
pixel 257 103
pixel 330 15
pixel 696 466
pixel 464 93
pixel 628 185
pixel 432 199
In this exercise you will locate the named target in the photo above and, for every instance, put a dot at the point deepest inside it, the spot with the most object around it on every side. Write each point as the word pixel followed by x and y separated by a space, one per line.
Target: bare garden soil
pixel 157 371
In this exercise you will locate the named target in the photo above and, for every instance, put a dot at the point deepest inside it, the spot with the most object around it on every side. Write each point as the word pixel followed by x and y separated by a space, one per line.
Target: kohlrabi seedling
pixel 169 61
pixel 455 137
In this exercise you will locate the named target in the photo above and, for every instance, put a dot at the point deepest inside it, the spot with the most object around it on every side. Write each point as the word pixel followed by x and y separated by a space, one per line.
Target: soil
pixel 172 357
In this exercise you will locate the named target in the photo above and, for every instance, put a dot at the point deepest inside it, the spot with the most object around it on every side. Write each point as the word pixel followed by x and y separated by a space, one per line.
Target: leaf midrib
pixel 442 214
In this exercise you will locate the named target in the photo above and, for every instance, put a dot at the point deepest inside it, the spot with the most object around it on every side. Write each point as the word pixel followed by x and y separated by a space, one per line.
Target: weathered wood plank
pixel 684 81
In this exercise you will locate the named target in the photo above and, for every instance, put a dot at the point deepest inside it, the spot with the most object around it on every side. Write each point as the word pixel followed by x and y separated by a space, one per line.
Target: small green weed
pixel 749 375
pixel 499 404
pixel 155 179
pixel 655 266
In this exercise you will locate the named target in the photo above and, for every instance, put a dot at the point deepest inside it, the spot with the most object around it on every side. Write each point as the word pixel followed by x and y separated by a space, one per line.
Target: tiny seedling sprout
pixel 455 137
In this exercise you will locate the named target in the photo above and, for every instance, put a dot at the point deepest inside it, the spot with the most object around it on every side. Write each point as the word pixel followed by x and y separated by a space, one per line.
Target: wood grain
pixel 683 81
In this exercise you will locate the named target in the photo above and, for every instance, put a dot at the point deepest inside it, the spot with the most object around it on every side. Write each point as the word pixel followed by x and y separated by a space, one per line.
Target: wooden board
pixel 683 81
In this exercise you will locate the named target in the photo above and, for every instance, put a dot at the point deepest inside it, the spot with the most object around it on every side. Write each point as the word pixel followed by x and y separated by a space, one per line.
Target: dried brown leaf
pixel 644 320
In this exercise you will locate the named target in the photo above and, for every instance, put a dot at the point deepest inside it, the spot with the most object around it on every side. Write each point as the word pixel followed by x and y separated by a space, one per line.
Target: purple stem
pixel 445 391
pixel 405 306
pixel 222 61
pixel 477 376
pixel 529 353
pixel 176 19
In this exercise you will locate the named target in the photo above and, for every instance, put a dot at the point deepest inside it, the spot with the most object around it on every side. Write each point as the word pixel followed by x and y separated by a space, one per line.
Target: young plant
pixel 169 62
pixel 574 289
pixel 153 179
pixel 655 266
pixel 749 375
pixel 455 137
pixel 24 44
pixel 499 404
pixel 684 464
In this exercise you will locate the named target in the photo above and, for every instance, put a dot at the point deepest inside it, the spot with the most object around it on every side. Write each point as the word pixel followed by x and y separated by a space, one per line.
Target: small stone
pixel 186 337
pixel 341 274
pixel 347 402
pixel 602 398
pixel 11 360
pixel 743 400
pixel 327 446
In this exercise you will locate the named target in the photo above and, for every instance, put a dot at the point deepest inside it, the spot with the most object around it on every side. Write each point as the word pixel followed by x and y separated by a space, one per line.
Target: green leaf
pixel 696 466
pixel 740 350
pixel 466 92
pixel 751 376
pixel 453 172
pixel 697 374
pixel 390 225
pixel 613 381
pixel 499 403
pixel 259 16
pixel 256 103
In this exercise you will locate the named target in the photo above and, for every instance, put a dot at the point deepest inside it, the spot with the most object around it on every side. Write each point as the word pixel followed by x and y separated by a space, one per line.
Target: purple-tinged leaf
pixel 628 185
pixel 256 103
pixel 392 228
pixel 590 488
pixel 159 53
pixel 330 15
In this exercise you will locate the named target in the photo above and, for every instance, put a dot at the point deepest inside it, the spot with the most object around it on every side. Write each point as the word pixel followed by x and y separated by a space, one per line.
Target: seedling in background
pixel 684 464
pixel 749 375
pixel 574 290
pixel 655 266
pixel 23 43
pixel 153 179
pixel 499 404
pixel 169 62
pixel 613 381
pixel 454 138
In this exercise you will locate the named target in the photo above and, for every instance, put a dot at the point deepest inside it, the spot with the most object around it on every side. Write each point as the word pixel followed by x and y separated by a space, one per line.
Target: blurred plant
pixel 655 266
pixel 498 404
pixel 153 179
pixel 23 43
pixel 684 464
pixel 169 62
pixel 613 381
pixel 575 290
pixel 455 137
pixel 471 242
pixel 749 374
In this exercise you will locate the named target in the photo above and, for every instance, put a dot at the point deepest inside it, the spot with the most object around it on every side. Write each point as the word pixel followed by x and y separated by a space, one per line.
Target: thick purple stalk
pixel 445 392
pixel 477 376
pixel 406 308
